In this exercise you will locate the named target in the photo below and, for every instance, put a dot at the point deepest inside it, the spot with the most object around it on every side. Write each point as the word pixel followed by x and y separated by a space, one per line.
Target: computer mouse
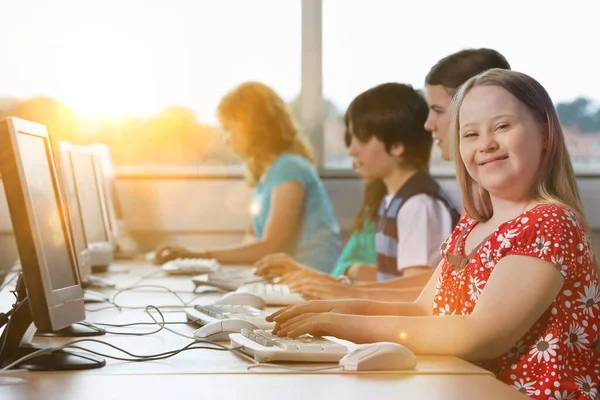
pixel 381 356
pixel 242 299
pixel 219 330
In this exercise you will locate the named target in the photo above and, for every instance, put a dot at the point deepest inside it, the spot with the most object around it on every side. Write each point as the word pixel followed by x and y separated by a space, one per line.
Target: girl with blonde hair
pixel 518 288
pixel 291 211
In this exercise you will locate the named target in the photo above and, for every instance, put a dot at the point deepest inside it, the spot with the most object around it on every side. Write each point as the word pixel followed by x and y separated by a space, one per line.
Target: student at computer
pixel 291 211
pixel 518 289
pixel 441 83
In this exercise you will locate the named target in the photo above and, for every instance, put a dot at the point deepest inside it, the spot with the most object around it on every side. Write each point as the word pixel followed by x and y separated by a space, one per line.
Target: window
pixel 144 76
pixel 365 44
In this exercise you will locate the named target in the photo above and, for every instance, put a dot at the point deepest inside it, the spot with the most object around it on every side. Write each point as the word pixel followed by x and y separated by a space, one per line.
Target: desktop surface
pixel 262 387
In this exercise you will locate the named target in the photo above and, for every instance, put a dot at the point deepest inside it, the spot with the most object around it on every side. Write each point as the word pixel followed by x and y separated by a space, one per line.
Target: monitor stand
pixel 15 343
pixel 80 329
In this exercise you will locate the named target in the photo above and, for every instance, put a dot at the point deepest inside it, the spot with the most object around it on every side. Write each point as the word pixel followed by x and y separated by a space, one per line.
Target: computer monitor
pixel 76 220
pixel 49 293
pixel 65 166
pixel 125 245
pixel 94 212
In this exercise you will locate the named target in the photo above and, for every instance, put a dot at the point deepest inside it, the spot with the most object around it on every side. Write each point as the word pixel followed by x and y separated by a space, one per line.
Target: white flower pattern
pixel 486 257
pixel 544 348
pixel 563 396
pixel 475 288
pixel 542 245
pixel 571 218
pixel 504 238
pixel 587 386
pixel 590 300
pixel 558 262
pixel 526 388
pixel 517 350
pixel 576 337
pixel 445 310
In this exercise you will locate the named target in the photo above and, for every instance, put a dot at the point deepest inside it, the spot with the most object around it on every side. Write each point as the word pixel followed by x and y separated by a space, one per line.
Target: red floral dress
pixel 556 359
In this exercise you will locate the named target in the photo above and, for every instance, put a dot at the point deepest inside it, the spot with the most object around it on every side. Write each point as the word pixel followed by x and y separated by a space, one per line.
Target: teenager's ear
pixel 397 150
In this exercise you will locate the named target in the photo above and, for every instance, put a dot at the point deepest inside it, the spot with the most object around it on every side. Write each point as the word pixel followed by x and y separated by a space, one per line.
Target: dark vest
pixel 386 242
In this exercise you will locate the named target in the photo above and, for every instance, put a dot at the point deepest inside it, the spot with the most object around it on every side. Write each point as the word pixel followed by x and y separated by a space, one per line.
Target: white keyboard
pixel 229 278
pixel 273 294
pixel 266 347
pixel 190 266
pixel 205 314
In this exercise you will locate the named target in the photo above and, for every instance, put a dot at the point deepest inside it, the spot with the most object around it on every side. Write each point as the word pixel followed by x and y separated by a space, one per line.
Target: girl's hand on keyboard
pixel 297 276
pixel 342 326
pixel 320 306
pixel 168 253
pixel 325 289
pixel 276 265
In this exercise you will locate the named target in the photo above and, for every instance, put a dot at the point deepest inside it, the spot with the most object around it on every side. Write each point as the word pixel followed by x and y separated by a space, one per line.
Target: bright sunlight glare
pixel 111 76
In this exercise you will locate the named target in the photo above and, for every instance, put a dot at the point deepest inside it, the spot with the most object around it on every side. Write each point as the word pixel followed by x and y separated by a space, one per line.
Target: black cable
pixel 151 357
pixel 114 304
pixel 161 324
pixel 138 323
pixel 178 308
pixel 134 287
pixel 135 357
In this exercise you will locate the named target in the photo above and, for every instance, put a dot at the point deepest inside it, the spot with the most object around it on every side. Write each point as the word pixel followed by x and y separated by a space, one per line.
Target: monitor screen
pixel 89 197
pixel 47 213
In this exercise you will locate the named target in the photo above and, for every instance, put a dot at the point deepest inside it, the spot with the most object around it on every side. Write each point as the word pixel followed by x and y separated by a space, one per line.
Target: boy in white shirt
pixel 389 142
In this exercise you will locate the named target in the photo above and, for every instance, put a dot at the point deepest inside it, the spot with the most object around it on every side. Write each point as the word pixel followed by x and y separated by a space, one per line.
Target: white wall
pixel 201 212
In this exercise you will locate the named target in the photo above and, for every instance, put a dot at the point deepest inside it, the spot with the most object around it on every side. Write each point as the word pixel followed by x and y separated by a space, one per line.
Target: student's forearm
pixel 394 295
pixel 362 307
pixel 241 254
pixel 456 335
pixel 419 280
pixel 379 308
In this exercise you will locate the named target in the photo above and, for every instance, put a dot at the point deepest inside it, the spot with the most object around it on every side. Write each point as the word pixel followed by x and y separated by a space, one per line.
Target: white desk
pixel 53 386
pixel 205 373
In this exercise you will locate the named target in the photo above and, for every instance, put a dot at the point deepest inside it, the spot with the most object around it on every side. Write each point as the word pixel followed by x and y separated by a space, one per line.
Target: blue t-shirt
pixel 319 242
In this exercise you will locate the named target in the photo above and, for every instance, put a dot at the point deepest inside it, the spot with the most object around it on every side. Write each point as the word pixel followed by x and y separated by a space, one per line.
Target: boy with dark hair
pixel 389 142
